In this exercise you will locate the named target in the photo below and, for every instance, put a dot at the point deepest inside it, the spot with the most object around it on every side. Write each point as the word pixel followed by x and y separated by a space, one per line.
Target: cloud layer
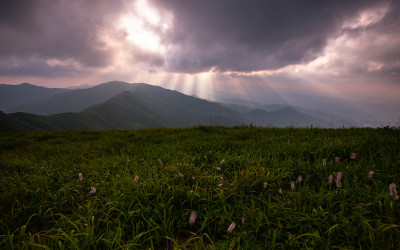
pixel 234 35
pixel 63 37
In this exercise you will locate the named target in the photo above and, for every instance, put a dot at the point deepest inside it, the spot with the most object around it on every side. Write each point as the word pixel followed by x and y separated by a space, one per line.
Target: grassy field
pixel 44 203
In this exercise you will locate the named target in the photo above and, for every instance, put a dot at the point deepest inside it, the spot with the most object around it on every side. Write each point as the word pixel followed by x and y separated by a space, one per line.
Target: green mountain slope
pixel 151 106
pixel 147 106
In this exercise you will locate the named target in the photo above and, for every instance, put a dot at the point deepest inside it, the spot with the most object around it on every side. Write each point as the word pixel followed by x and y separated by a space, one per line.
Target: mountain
pixel 284 117
pixel 152 106
pixel 74 100
pixel 12 96
pixel 315 117
pixel 146 106
pixel 119 105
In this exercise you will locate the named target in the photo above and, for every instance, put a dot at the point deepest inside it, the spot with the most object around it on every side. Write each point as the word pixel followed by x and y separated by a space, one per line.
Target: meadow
pixel 200 188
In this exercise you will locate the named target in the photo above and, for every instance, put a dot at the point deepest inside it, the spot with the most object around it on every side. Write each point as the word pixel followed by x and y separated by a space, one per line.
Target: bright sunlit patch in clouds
pixel 142 25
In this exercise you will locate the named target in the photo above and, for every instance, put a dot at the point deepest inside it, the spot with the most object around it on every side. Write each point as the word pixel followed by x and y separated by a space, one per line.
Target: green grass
pixel 45 206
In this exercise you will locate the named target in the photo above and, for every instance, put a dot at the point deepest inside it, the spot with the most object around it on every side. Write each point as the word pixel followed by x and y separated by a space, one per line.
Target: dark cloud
pixel 236 35
pixel 62 30
pixel 218 35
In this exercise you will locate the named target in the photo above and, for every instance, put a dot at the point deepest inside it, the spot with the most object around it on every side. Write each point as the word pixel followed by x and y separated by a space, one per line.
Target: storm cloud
pixel 63 37
pixel 234 35
pixel 41 37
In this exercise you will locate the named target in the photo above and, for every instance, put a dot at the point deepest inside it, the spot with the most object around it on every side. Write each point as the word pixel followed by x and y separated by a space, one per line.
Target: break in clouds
pixel 50 38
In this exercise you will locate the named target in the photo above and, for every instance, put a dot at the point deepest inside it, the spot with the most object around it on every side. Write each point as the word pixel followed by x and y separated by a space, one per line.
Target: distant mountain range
pixel 120 105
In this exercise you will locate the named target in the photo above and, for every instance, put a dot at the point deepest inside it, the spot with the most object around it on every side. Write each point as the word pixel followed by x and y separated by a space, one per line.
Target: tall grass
pixel 45 205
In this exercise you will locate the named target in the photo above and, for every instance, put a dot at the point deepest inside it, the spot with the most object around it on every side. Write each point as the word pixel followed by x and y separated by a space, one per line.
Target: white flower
pixel 136 178
pixel 231 227
pixel 371 174
pixel 330 179
pixel 300 179
pixel 338 180
pixel 222 161
pixel 80 176
pixel 218 168
pixel 393 190
pixel 92 190
pixel 192 218
pixel 265 185
pixel 280 191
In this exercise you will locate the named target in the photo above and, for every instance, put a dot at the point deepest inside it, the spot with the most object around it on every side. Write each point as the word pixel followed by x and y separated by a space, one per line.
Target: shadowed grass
pixel 46 206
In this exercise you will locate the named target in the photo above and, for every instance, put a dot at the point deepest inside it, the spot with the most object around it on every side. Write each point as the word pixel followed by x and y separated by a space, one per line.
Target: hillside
pixel 74 100
pixel 12 96
pixel 120 105
pixel 151 106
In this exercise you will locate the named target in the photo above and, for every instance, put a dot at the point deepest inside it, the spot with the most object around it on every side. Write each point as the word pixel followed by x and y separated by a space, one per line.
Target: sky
pixel 335 55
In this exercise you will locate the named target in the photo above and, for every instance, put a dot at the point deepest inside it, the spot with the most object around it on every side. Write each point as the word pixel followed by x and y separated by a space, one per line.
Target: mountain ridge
pixel 120 105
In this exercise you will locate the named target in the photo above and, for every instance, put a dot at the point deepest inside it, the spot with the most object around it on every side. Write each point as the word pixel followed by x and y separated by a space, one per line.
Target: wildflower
pixel 337 159
pixel 231 227
pixel 330 179
pixel 136 178
pixel 265 185
pixel 371 174
pixel 338 180
pixel 243 220
pixel 288 142
pixel 220 185
pixel 222 161
pixel 393 190
pixel 193 178
pixel 353 156
pixel 197 195
pixel 323 162
pixel 92 190
pixel 300 179
pixel 85 224
pixel 161 163
pixel 180 175
pixel 80 176
pixel 218 168
pixel 221 177
pixel 280 191
pixel 192 218
pixel 292 186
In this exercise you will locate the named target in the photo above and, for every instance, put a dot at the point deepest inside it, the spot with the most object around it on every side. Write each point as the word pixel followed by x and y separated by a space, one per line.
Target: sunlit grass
pixel 204 187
